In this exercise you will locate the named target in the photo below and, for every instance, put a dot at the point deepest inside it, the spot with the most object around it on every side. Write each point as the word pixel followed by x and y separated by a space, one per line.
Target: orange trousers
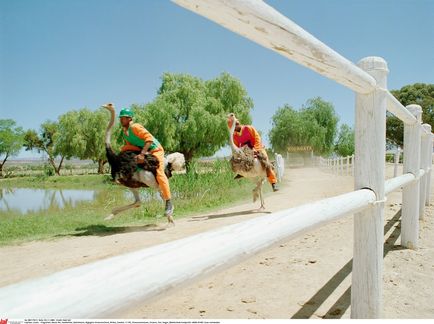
pixel 271 176
pixel 163 182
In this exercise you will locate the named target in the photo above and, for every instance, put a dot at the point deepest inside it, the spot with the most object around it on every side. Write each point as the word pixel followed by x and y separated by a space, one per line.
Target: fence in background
pixel 342 165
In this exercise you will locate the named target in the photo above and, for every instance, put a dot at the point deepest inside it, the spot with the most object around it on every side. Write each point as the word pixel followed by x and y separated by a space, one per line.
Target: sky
pixel 57 56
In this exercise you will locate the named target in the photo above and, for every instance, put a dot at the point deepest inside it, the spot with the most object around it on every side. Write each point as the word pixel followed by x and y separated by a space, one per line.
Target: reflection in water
pixel 26 200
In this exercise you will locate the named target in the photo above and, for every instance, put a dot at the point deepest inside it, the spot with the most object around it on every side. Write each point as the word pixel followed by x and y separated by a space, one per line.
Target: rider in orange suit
pixel 248 135
pixel 137 138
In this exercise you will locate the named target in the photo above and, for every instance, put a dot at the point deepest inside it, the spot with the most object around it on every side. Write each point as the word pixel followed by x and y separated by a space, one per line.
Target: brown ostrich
pixel 124 168
pixel 246 163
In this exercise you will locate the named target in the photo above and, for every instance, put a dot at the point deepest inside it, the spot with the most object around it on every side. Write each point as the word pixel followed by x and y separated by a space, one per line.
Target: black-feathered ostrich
pixel 124 168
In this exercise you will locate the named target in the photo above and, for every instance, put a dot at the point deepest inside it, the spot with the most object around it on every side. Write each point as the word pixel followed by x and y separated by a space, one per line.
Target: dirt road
pixel 307 277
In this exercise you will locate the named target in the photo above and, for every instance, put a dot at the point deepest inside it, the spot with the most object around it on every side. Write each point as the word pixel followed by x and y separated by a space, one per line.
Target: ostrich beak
pixel 108 105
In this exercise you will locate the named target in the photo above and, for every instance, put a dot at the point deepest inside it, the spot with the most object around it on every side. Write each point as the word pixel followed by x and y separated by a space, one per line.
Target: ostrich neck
pixel 234 148
pixel 108 131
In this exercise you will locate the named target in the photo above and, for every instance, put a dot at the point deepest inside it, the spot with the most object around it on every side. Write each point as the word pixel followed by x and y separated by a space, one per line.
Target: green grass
pixel 193 193
pixel 94 181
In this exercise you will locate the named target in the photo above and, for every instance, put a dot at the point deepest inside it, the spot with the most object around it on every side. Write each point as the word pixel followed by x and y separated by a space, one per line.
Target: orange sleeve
pixel 130 147
pixel 257 143
pixel 142 132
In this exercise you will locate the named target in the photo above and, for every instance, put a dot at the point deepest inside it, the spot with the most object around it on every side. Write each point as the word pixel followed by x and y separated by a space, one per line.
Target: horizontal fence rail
pixel 104 287
pixel 266 26
pixel 398 182
pixel 396 108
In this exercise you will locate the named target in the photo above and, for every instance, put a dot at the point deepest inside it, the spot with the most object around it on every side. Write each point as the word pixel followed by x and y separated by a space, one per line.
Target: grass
pixel 94 181
pixel 193 193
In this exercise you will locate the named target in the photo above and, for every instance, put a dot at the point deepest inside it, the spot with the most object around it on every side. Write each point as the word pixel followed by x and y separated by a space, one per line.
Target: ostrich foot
pixel 260 209
pixel 109 217
pixel 170 220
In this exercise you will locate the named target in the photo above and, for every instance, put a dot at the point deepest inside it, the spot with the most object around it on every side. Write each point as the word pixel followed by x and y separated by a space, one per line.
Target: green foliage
pixel 48 170
pixel 314 125
pixel 46 141
pixel 419 93
pixel 11 140
pixel 189 114
pixel 69 135
pixel 81 134
pixel 345 143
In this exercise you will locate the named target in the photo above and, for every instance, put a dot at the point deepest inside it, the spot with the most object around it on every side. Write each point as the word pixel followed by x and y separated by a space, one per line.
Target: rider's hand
pixel 140 158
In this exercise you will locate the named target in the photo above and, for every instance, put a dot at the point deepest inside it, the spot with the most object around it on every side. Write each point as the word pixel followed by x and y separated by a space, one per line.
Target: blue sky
pixel 56 56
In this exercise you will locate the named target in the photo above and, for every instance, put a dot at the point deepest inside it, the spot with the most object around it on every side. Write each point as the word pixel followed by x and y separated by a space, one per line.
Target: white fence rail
pixel 97 289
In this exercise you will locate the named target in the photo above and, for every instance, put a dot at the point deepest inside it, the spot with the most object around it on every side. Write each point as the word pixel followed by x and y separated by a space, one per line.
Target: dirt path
pixel 308 277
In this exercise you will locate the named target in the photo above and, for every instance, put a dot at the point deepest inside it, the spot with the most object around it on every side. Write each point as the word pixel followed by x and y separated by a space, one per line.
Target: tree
pixel 189 114
pixel 314 125
pixel 81 134
pixel 419 93
pixel 345 143
pixel 289 129
pixel 11 140
pixel 45 142
pixel 94 134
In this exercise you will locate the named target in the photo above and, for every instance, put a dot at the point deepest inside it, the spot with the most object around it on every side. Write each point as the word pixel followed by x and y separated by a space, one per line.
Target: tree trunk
pixel 188 155
pixel 53 164
pixel 101 164
pixel 2 164
pixel 60 166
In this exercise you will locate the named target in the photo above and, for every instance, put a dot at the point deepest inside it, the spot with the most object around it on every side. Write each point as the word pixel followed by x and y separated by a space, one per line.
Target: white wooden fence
pixel 101 288
pixel 341 165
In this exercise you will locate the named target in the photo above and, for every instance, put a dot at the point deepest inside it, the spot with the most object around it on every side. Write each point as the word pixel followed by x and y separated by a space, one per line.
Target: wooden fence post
pixel 396 161
pixel 341 162
pixel 428 178
pixel 352 165
pixel 410 193
pixel 370 142
pixel 424 164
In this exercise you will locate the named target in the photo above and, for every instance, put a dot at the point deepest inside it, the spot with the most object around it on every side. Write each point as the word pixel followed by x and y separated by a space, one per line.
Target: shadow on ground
pixel 103 230
pixel 240 213
pixel 344 301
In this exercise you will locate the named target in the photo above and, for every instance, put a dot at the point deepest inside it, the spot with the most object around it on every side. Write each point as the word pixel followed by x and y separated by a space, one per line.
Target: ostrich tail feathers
pixel 176 161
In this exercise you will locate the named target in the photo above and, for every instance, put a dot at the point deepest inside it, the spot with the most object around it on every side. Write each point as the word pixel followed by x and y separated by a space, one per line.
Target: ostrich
pixel 124 168
pixel 248 164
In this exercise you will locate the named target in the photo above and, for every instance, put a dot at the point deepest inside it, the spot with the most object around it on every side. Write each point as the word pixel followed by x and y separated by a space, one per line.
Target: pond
pixel 26 200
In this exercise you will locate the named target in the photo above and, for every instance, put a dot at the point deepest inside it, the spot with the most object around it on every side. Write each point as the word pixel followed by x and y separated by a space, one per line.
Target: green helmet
pixel 126 112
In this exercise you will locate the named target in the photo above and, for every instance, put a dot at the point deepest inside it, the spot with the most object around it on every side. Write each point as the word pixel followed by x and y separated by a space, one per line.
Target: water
pixel 25 200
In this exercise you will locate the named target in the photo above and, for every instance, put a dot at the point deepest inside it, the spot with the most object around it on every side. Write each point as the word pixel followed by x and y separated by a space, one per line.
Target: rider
pixel 138 139
pixel 248 135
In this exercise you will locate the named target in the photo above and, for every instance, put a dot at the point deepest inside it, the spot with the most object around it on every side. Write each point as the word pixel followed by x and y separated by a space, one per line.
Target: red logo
pixel 3 321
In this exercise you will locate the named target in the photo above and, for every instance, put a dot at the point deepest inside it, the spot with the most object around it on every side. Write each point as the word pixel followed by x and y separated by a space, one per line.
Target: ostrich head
pixel 109 106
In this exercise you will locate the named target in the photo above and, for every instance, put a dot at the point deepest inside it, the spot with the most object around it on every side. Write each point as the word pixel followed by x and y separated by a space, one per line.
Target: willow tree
pixel 345 141
pixel 45 141
pixel 189 114
pixel 81 134
pixel 419 93
pixel 315 125
pixel 11 140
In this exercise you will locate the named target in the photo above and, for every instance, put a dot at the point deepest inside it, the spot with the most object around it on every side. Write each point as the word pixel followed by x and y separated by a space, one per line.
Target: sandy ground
pixel 307 277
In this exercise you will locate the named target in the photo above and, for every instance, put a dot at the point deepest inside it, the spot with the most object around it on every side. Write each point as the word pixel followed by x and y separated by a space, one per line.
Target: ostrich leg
pixel 136 203
pixel 257 193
